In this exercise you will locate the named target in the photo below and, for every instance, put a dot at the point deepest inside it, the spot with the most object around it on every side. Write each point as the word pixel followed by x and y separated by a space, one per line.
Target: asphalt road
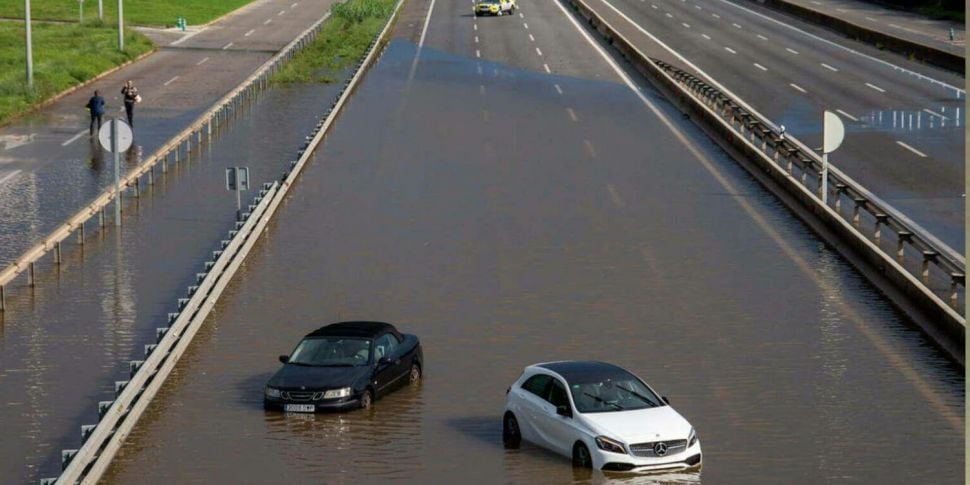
pixel 905 121
pixel 46 169
pixel 510 199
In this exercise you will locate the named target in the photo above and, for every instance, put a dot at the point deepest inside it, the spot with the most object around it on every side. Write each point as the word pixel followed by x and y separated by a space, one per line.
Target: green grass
pixel 342 41
pixel 137 12
pixel 60 60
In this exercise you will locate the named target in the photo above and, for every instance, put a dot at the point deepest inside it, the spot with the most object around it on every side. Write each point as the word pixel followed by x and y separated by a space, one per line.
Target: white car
pixel 608 419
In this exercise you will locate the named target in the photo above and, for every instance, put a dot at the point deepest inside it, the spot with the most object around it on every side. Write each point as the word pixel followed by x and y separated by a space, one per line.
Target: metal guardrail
pixel 201 129
pixel 117 418
pixel 805 165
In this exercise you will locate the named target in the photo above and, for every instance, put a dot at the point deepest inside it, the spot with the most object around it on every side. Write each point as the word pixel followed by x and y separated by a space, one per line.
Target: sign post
pixel 121 27
pixel 237 179
pixel 116 138
pixel 80 4
pixel 833 132
pixel 30 55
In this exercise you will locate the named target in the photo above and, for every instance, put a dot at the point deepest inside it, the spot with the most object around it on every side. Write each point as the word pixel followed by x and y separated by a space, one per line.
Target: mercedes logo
pixel 302 388
pixel 660 449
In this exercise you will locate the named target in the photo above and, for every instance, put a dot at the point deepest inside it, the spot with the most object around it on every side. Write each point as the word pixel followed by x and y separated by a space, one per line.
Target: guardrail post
pixel 136 188
pixel 903 238
pixel 101 217
pixel 30 274
pixel 880 220
pixel 151 175
pixel 928 257
pixel 57 252
pixel 956 281
pixel 840 189
pixel 3 303
pixel 859 202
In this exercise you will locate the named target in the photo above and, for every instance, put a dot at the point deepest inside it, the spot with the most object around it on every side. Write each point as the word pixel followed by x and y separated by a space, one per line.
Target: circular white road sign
pixel 124 135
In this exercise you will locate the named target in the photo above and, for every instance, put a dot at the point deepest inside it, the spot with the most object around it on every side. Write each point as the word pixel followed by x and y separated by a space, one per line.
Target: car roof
pixel 355 329
pixel 581 371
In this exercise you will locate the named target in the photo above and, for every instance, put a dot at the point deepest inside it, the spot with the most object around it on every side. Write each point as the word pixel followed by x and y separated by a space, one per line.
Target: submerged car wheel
pixel 581 457
pixel 511 435
pixel 366 399
pixel 415 376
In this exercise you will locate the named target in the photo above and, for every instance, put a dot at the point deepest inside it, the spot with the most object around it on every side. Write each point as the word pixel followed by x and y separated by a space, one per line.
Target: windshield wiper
pixel 637 394
pixel 604 401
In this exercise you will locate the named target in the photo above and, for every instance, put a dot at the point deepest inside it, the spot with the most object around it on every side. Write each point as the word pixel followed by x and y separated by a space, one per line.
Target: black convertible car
pixel 344 365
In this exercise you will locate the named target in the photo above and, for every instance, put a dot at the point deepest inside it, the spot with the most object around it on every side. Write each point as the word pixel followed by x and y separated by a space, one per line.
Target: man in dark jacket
pixel 96 106
pixel 131 97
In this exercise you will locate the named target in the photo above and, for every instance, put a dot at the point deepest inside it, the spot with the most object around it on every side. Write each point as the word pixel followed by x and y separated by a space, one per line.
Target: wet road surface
pixel 64 343
pixel 509 214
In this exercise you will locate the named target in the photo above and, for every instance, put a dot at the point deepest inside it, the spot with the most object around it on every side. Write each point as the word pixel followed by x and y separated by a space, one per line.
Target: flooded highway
pixel 511 201
pixel 64 342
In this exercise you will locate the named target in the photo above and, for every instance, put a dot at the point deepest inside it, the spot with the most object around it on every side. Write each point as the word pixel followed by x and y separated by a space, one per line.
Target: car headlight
pixel 337 393
pixel 273 393
pixel 691 438
pixel 611 445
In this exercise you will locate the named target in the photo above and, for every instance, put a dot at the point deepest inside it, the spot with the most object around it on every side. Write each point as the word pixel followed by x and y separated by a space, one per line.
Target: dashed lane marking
pixel 538 51
pixel 736 26
pixel 73 138
pixel 546 67
pixel 685 24
pixel 533 39
pixel 170 81
pixel 481 89
pixel 847 115
pixel 871 19
pixel 797 87
pixel 715 15
pixel 759 66
pixel 706 36
pixel 572 115
pixel 762 37
pixel 615 196
pixel 590 150
pixel 267 22
pixel 521 16
pixel 478 53
pixel 917 152
pixel 669 15
pixel 558 89
pixel 475 26
pixel 793 51
pixel 9 176
pixel 525 25
pixel 732 51
pixel 281 12
pixel 203 61
pixel 877 88
pixel 247 34
pixel 829 67
pixel 476 39
pixel 227 46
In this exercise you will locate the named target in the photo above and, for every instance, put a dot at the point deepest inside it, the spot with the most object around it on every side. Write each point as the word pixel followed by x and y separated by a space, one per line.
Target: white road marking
pixel 829 67
pixel 533 39
pixel 686 25
pixel 521 16
pixel 917 152
pixel 186 37
pixel 281 12
pixel 759 66
pixel 668 15
pixel 841 10
pixel 572 115
pixel 877 88
pixel 478 53
pixel 294 4
pixel 793 51
pixel 736 26
pixel 481 89
pixel 9 176
pixel 732 51
pixel 203 61
pixel 74 138
pixel 706 36
pixel 475 26
pixel 538 51
pixel 589 148
pixel 762 37
pixel 247 34
pixel 476 39
pixel 797 87
pixel 654 6
pixel 844 48
pixel 558 89
pixel 170 81
pixel 871 19
pixel 267 22
pixel 617 201
pixel 227 46
pixel 546 67
pixel 816 3
pixel 715 15
pixel 698 7
pixel 934 113
pixel 847 115
pixel 525 25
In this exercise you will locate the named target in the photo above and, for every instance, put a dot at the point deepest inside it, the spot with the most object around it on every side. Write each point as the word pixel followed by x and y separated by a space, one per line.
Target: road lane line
pixel 247 34
pixel 732 51
pixel 481 89
pixel 654 6
pixel 872 19
pixel 476 26
pixel 715 15
pixel 478 53
pixel 281 12
pixel 203 61
pixel 917 152
pixel 617 200
pixel 521 16
pixel 698 7
pixel 170 81
pixel 546 67
pixel 829 67
pixel 227 46
pixel 294 4
pixel 476 39
pixel 590 150
pixel 558 89
pixel 847 115
pixel 686 25
pixel 525 25
pixel 762 37
pixel 572 115
pixel 267 22
pixel 841 10
pixel 538 51
pixel 74 138
pixel 533 39
pixel 797 87
pixel 934 113
pixel 793 51
pixel 810 270
pixel 9 176
pixel 759 66
pixel 669 15
pixel 736 26
pixel 706 36
pixel 877 88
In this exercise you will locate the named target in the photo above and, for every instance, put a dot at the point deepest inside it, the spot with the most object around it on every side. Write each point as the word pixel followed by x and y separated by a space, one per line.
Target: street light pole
pixel 30 54
pixel 101 9
pixel 121 27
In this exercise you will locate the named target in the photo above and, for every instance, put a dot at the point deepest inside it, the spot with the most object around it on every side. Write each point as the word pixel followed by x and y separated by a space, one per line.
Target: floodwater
pixel 65 342
pixel 504 234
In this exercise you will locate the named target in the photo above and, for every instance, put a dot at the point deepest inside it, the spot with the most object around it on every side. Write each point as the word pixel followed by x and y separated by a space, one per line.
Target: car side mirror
pixel 564 411
pixel 383 361
pixel 664 399
pixel 284 358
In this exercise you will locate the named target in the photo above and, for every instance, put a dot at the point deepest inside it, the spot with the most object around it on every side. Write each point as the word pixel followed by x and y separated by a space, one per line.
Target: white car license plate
pixel 299 408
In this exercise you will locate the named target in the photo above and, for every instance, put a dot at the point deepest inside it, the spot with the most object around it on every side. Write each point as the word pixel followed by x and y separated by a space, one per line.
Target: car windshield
pixel 617 392
pixel 331 351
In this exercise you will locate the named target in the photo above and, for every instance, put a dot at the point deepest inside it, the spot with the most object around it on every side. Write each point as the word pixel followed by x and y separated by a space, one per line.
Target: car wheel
pixel 581 456
pixel 415 376
pixel 511 435
pixel 366 399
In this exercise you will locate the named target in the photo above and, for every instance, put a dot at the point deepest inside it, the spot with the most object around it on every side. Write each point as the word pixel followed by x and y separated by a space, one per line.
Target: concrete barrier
pixel 793 173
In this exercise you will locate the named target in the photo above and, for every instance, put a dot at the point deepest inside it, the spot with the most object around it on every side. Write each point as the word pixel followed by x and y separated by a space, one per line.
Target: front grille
pixel 299 395
pixel 648 449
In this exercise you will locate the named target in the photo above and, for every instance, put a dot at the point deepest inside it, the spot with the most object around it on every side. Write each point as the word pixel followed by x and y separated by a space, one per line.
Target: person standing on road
pixel 131 97
pixel 96 107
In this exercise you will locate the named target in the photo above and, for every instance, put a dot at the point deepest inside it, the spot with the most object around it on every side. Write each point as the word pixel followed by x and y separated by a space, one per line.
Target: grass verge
pixel 60 60
pixel 137 12
pixel 341 42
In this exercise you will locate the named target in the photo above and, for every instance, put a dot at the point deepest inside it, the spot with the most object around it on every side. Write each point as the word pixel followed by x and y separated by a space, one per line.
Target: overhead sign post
pixel 237 180
pixel 833 132
pixel 116 137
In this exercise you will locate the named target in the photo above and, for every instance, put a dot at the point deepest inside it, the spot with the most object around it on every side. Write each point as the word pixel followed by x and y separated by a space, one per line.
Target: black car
pixel 344 365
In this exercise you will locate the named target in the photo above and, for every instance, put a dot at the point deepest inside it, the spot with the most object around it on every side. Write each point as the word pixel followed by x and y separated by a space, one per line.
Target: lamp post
pixel 30 54
pixel 121 27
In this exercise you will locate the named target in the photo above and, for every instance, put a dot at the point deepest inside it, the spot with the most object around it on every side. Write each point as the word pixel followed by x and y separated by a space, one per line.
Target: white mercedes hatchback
pixel 599 415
